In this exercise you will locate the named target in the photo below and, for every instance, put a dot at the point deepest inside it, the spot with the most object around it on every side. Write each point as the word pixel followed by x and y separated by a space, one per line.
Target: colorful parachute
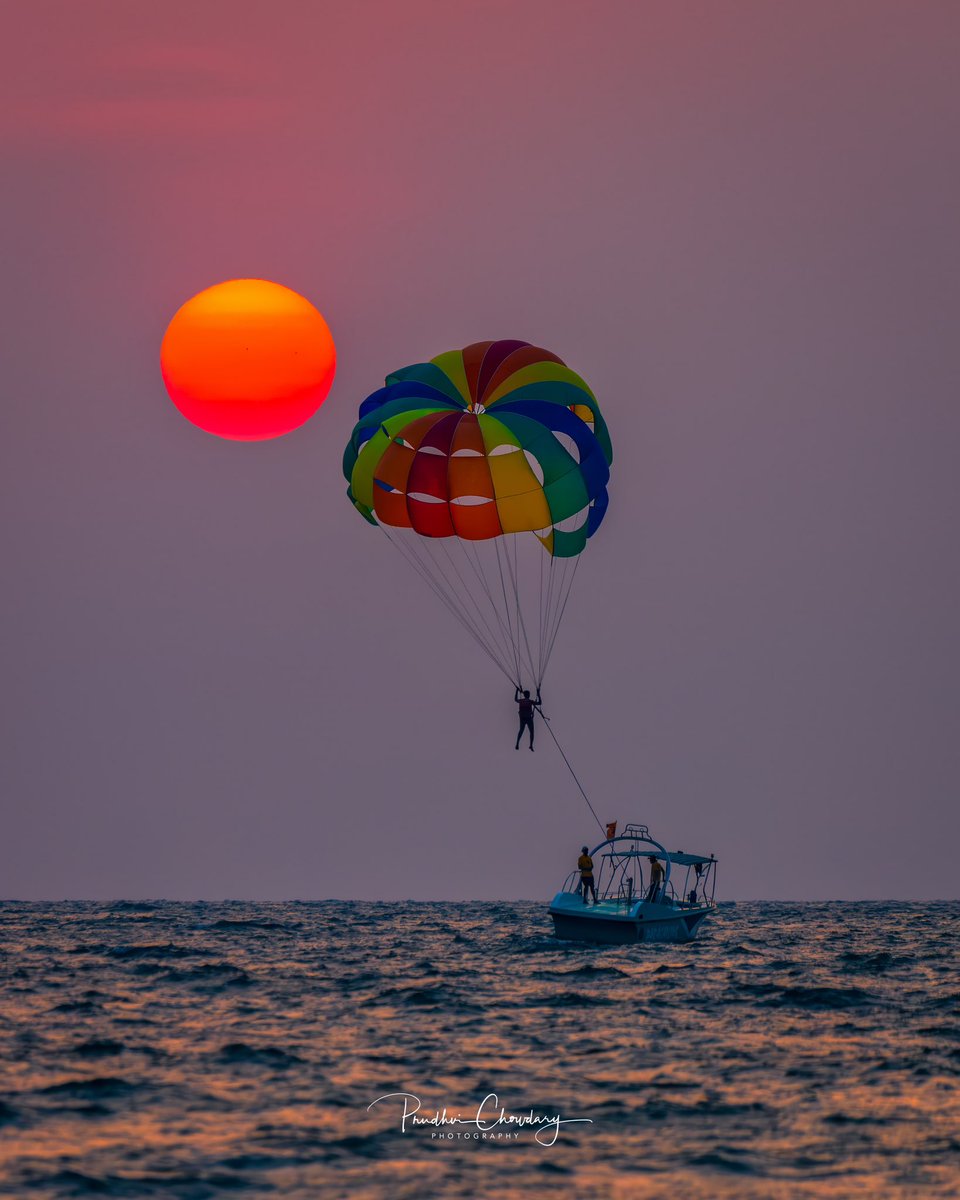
pixel 459 458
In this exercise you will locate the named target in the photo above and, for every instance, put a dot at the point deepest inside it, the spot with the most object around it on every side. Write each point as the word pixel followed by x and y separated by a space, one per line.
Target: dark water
pixel 196 1050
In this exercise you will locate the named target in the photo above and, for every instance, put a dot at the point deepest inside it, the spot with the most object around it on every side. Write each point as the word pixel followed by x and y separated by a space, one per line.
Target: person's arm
pixel 538 701
pixel 516 695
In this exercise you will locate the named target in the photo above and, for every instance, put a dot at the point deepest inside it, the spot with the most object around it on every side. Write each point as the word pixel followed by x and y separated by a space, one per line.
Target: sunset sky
pixel 737 221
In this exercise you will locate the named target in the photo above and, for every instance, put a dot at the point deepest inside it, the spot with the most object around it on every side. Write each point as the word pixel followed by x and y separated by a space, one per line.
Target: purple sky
pixel 738 221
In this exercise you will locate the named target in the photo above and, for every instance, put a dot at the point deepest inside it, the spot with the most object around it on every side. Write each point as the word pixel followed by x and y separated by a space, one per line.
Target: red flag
pixel 612 829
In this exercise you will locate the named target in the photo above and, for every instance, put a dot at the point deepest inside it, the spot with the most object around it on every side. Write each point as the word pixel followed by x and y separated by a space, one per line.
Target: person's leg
pixel 519 736
pixel 531 733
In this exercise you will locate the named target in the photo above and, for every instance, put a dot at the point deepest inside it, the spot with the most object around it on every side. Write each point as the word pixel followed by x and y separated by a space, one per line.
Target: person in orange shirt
pixel 585 866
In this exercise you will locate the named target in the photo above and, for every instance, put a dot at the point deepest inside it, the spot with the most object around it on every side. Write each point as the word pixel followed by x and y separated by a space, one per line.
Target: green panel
pixel 394 408
pixel 554 460
pixel 362 509
pixel 361 477
pixel 451 364
pixel 566 394
pixel 569 545
pixel 497 433
pixel 567 495
pixel 432 375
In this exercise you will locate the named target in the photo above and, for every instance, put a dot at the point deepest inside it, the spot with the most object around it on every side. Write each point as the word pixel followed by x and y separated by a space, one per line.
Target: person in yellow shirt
pixel 585 866
pixel 656 878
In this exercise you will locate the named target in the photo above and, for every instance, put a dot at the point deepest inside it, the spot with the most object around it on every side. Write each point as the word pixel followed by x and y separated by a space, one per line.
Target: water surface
pixel 192 1050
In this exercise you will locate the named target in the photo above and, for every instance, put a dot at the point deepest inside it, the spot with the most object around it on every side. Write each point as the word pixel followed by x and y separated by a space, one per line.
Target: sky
pixel 738 222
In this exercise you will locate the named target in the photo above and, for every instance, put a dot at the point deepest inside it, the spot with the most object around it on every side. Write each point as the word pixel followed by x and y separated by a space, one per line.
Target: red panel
pixel 513 362
pixel 418 431
pixel 441 434
pixel 431 520
pixel 472 362
pixel 429 475
pixel 492 359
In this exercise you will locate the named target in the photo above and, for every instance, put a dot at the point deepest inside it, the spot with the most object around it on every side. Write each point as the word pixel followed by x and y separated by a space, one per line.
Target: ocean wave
pixel 219 974
pixel 266 1056
pixel 254 923
pixel 823 997
pixel 97 1048
pixel 588 970
pixel 568 1000
pixel 102 1088
pixel 434 996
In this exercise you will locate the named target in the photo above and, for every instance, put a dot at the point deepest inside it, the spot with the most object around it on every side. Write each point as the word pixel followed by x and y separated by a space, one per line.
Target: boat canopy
pixel 689 860
pixel 675 856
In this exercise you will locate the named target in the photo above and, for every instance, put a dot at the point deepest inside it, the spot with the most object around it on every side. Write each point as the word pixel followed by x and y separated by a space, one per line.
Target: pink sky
pixel 737 221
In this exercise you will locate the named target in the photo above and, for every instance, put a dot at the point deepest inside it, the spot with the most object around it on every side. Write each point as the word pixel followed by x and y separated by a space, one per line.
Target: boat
pixel 631 908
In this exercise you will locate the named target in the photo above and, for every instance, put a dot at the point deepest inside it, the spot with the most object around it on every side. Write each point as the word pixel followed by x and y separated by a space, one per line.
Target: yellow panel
pixel 451 364
pixel 520 499
pixel 518 514
pixel 537 373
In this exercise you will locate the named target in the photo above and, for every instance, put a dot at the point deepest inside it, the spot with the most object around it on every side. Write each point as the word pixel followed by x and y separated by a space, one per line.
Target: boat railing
pixel 620 878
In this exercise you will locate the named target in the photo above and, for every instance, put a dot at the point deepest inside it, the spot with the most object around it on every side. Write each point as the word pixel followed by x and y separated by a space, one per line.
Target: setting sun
pixel 248 359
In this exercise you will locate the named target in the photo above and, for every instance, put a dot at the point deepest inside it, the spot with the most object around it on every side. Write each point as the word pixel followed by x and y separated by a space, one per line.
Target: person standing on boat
pixel 656 878
pixel 527 707
pixel 585 867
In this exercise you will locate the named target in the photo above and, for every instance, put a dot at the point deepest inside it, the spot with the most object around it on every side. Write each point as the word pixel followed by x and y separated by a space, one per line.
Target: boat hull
pixel 614 924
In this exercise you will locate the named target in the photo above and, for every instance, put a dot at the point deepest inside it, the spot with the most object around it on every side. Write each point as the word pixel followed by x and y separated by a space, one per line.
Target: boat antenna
pixel 573 773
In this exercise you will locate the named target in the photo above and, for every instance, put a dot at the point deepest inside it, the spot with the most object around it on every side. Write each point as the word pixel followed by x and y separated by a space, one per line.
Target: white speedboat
pixel 630 905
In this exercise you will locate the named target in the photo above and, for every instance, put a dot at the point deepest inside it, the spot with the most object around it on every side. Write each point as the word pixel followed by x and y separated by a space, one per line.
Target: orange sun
pixel 248 359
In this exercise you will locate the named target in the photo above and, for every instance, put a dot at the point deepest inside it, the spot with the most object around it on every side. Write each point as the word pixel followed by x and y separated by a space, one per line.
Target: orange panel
pixel 394 466
pixel 476 522
pixel 391 507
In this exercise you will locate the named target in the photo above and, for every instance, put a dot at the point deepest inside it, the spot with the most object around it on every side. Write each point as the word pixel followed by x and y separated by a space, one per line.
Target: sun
pixel 248 359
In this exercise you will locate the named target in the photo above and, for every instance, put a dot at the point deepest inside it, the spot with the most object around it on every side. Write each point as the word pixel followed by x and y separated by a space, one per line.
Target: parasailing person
pixel 527 708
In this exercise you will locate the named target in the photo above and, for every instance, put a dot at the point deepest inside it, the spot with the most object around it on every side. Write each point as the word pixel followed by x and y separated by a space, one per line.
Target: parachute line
pixel 521 625
pixel 504 648
pixel 424 572
pixel 563 609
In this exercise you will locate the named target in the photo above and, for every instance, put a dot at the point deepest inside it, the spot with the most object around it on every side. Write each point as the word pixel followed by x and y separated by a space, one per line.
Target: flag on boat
pixel 612 830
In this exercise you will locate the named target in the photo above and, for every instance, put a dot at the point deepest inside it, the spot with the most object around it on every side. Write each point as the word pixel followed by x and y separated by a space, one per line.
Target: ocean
pixel 194 1050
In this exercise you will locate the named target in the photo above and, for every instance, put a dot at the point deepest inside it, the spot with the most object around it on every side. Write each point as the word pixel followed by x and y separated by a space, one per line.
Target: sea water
pixel 193 1050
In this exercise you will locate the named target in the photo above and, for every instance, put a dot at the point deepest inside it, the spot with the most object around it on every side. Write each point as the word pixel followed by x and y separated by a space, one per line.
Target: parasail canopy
pixel 466 462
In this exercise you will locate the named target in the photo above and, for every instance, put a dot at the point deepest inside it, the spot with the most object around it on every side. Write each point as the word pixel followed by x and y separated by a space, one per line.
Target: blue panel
pixel 593 462
pixel 598 510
